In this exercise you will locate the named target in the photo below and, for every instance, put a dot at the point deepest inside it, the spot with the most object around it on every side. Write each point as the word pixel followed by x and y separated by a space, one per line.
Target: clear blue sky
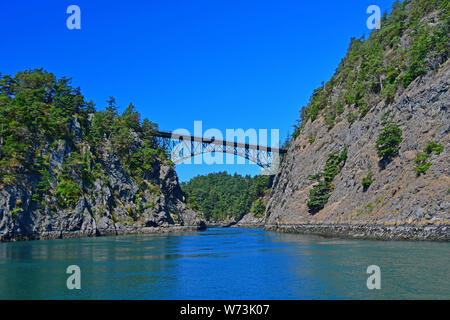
pixel 232 64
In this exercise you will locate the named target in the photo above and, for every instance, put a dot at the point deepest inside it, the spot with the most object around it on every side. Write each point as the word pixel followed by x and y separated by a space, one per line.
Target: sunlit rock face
pixel 398 203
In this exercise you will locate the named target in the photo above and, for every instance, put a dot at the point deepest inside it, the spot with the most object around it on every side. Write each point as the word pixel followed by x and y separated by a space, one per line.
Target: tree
pixel 389 139
pixel 220 195
pixel 258 207
pixel 319 194
pixel 131 118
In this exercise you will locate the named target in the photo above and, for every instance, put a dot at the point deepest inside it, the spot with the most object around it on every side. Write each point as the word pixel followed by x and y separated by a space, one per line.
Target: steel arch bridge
pixel 183 147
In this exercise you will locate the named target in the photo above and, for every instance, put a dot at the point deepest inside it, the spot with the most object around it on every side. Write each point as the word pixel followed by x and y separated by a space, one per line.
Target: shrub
pixel 320 193
pixel 363 109
pixel 389 139
pixel 340 107
pixel 351 117
pixel 68 192
pixel 258 208
pixel 318 196
pixel 15 212
pixel 367 181
pixel 422 163
pixel 139 204
pixel 433 147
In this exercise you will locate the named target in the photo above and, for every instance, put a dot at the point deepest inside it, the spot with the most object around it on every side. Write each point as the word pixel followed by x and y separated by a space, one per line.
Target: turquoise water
pixel 223 263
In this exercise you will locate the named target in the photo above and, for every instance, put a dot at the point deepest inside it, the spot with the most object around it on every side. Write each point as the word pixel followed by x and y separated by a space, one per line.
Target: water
pixel 223 264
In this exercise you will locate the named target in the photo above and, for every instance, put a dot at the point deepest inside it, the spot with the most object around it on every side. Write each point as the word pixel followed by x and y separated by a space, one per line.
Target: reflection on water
pixel 223 264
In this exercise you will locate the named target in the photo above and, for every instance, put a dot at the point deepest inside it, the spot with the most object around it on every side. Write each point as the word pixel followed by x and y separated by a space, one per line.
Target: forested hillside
pixel 37 109
pixel 61 158
pixel 412 41
pixel 223 196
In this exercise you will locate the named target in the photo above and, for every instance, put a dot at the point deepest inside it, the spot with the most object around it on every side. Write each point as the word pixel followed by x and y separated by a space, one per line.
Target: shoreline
pixel 368 231
pixel 344 231
pixel 54 235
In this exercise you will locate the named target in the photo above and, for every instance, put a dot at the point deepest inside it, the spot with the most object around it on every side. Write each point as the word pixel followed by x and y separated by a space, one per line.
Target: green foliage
pixel 297 130
pixel 368 209
pixel 121 130
pixel 389 139
pixel 318 196
pixel 44 183
pixel 139 204
pixel 426 40
pixel 35 107
pixel 433 147
pixel 15 212
pixel 258 208
pixel 422 163
pixel 340 107
pixel 367 181
pixel 40 113
pixel 68 193
pixel 351 117
pixel 375 68
pixel 320 193
pixel 363 109
pixel 220 195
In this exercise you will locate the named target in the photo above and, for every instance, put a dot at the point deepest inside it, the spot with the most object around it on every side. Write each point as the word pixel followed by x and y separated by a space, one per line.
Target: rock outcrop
pixel 250 220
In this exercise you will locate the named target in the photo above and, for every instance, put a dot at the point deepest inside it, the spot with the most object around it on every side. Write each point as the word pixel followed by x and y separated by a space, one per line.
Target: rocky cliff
pixel 113 205
pixel 89 177
pixel 406 196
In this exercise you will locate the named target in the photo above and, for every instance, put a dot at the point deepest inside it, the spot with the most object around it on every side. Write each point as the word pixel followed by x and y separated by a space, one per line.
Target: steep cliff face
pixel 398 202
pixel 397 196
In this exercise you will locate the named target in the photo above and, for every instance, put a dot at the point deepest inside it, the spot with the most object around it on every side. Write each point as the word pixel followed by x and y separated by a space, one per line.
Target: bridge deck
pixel 175 136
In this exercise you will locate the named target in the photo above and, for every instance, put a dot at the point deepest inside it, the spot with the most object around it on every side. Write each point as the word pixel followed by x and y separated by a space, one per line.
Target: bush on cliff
pixel 258 208
pixel 389 139
pixel 320 193
pixel 422 163
pixel 367 181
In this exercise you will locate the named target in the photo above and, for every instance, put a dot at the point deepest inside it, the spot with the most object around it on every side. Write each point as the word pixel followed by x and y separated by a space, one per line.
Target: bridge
pixel 183 147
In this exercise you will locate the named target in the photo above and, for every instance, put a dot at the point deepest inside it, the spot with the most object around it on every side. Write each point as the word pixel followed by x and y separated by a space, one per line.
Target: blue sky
pixel 231 64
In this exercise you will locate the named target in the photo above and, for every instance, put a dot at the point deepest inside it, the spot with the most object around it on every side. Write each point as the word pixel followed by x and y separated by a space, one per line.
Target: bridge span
pixel 183 147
